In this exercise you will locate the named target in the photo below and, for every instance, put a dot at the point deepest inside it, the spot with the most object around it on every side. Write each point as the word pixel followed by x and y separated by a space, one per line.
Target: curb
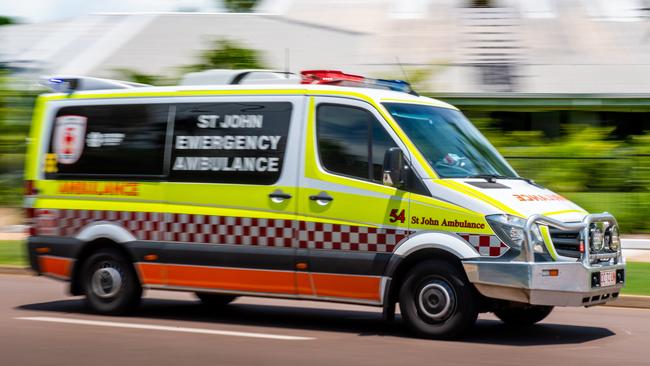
pixel 15 270
pixel 631 301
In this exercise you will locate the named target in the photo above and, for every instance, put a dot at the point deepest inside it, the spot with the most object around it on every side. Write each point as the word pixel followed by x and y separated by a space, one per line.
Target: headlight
pixel 510 229
pixel 614 238
pixel 596 238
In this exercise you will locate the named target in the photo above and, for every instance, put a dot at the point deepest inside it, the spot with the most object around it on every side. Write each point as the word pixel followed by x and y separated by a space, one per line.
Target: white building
pixel 547 46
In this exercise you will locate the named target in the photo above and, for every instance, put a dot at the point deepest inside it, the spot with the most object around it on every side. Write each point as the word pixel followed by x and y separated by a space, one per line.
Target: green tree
pixel 139 77
pixel 239 6
pixel 228 54
pixel 5 20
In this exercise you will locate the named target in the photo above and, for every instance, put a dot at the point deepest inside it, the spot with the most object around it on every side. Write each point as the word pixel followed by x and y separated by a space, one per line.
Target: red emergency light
pixel 328 77
pixel 336 77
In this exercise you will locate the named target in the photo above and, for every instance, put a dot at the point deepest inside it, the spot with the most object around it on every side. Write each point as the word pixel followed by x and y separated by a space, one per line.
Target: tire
pixel 110 283
pixel 523 316
pixel 215 300
pixel 437 301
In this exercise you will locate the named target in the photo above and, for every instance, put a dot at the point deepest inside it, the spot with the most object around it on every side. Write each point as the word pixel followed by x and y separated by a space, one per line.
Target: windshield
pixel 451 144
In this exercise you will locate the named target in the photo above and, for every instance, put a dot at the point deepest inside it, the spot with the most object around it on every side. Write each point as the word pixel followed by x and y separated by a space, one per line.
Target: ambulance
pixel 321 186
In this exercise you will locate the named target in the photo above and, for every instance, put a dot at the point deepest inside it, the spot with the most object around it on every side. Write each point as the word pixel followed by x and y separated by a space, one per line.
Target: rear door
pixel 232 194
pixel 349 221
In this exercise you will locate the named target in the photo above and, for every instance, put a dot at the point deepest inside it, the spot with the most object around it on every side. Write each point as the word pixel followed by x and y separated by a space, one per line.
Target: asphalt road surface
pixel 40 325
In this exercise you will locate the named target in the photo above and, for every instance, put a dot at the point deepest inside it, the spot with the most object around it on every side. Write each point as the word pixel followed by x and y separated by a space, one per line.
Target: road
pixel 40 325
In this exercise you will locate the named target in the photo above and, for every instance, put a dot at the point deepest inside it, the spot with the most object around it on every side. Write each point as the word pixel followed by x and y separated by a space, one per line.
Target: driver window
pixel 351 141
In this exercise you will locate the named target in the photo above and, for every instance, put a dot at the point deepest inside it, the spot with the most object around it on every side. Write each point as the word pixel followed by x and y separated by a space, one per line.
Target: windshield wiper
pixel 492 178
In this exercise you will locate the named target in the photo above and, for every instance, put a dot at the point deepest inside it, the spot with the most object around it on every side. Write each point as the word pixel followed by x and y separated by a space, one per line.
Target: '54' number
pixel 395 216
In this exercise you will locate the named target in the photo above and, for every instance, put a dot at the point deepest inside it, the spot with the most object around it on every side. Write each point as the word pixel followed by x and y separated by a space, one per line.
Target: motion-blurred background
pixel 561 87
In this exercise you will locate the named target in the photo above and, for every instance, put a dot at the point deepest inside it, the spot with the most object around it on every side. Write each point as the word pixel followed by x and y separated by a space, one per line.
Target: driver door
pixel 350 221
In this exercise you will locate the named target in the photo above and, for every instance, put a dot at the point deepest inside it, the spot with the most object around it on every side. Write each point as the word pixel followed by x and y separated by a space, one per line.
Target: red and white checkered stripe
pixel 486 245
pixel 143 225
pixel 191 228
pixel 318 235
pixel 229 230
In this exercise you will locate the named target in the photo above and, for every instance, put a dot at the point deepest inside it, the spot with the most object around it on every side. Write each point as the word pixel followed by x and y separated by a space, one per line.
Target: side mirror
pixel 393 169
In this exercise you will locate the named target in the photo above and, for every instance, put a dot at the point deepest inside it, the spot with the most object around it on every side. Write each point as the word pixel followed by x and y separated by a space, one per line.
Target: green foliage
pixel 583 160
pixel 631 209
pixel 15 115
pixel 139 77
pixel 638 279
pixel 13 252
pixel 586 166
pixel 5 20
pixel 239 6
pixel 227 54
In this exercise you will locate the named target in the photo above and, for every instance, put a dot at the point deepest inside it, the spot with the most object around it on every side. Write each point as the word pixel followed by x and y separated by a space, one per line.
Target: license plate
pixel 607 278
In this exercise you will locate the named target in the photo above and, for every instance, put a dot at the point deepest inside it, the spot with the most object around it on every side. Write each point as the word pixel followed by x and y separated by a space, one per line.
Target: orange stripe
pixel 252 280
pixel 59 267
pixel 353 287
pixel 248 280
pixel 303 284
pixel 151 273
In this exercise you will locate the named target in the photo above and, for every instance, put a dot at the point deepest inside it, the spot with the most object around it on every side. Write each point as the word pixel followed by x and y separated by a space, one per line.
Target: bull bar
pixel 523 279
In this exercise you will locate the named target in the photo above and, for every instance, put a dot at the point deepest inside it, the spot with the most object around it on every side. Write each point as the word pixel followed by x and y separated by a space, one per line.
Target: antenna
pixel 406 77
pixel 286 61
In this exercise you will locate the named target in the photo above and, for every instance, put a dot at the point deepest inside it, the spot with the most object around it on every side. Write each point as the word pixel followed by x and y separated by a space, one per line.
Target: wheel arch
pixel 105 230
pixel 420 247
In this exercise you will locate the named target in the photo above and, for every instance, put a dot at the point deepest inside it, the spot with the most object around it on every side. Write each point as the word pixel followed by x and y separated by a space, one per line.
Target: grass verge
pixel 13 253
pixel 638 279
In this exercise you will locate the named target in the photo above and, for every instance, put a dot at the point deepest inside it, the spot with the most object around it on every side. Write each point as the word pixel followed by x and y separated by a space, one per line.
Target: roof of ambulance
pixel 378 95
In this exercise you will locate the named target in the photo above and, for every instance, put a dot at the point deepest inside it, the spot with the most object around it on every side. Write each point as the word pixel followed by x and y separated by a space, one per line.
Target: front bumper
pixel 527 282
pixel 562 282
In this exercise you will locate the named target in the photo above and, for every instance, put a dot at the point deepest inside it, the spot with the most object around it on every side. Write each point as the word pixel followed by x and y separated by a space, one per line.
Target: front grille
pixel 567 243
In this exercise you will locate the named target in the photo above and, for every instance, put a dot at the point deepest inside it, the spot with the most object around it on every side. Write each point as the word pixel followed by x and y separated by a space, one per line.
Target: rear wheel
pixel 215 300
pixel 523 316
pixel 437 301
pixel 110 283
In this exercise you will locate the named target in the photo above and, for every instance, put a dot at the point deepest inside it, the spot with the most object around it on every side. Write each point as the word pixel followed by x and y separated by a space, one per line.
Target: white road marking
pixel 165 328
pixel 614 307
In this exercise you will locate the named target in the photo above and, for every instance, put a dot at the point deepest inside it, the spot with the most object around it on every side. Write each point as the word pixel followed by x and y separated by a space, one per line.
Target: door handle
pixel 278 196
pixel 322 198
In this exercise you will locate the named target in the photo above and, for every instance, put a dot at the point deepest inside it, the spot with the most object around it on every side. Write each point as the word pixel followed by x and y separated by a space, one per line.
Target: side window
pixel 108 140
pixel 230 142
pixel 351 141
pixel 381 142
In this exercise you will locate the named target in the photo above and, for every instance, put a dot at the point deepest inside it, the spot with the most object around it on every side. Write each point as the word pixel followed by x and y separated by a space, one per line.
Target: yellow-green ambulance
pixel 358 191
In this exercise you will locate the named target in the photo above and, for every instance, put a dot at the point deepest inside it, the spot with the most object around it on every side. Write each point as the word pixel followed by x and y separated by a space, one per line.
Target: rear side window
pixel 120 141
pixel 351 141
pixel 230 142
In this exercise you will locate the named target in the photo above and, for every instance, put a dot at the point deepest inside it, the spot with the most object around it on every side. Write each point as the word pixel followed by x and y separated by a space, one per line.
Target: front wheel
pixel 523 316
pixel 437 301
pixel 110 283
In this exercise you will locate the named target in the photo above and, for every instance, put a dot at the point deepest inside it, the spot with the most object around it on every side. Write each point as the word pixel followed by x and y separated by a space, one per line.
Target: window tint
pixel 351 141
pixel 230 142
pixel 118 140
